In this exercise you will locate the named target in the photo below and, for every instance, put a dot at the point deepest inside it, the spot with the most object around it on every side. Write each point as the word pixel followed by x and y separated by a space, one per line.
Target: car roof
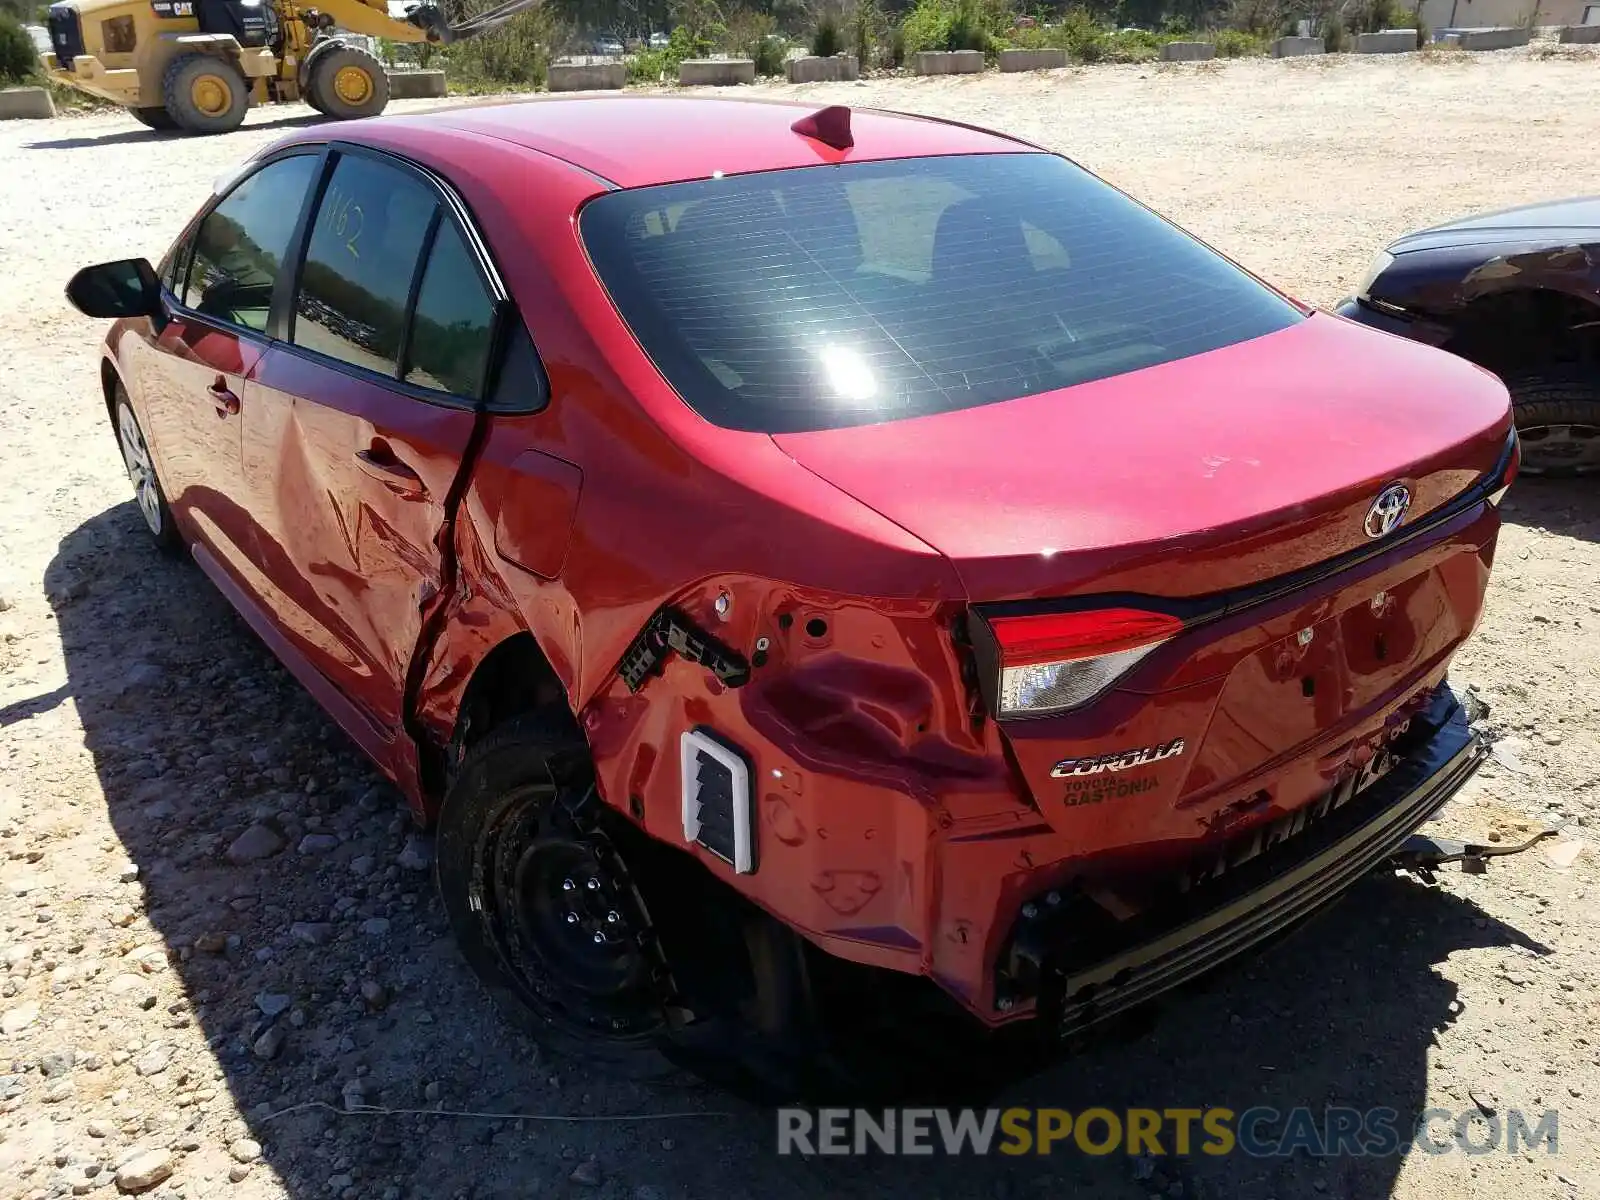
pixel 637 141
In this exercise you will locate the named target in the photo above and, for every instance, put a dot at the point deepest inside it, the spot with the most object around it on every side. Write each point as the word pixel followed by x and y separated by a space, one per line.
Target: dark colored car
pixel 1517 292
pixel 843 587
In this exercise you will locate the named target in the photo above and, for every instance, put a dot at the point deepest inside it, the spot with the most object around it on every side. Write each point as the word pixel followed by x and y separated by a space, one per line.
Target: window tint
pixel 834 296
pixel 363 251
pixel 454 319
pixel 239 246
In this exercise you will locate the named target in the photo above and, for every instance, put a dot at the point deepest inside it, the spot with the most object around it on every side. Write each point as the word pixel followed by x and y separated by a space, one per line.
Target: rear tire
pixel 1558 420
pixel 205 94
pixel 156 118
pixel 529 884
pixel 347 84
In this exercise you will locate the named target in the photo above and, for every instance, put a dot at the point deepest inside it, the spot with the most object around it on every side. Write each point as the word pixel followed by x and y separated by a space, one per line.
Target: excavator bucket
pixel 431 20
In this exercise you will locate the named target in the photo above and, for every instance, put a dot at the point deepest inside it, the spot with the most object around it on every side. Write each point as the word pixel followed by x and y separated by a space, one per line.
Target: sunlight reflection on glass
pixel 848 373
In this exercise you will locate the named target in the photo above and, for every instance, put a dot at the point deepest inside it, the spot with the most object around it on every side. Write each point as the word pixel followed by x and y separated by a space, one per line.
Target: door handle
pixel 227 404
pixel 382 465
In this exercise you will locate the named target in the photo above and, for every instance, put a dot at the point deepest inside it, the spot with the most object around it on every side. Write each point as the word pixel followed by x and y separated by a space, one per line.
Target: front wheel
pixel 1558 420
pixel 141 468
pixel 542 905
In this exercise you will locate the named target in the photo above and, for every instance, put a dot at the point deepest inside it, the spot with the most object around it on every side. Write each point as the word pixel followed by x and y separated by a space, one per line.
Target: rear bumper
pixel 1274 891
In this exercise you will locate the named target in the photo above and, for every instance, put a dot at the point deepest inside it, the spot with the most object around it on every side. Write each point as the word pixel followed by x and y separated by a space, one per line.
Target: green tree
pixel 18 58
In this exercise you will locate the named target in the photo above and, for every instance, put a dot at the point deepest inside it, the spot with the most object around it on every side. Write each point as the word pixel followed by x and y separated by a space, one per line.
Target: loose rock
pixel 153 1061
pixel 417 853
pixel 144 1171
pixel 57 1063
pixel 254 844
pixel 15 1020
pixel 269 1043
pixel 273 1003
pixel 312 933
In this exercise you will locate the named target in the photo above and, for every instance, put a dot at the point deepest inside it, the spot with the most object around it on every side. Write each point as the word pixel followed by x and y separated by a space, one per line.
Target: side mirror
pixel 128 288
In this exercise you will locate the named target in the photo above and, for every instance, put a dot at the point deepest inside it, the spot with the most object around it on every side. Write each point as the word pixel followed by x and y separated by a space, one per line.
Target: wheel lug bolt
pixel 572 918
pixel 567 885
pixel 593 884
pixel 613 917
pixel 599 939
pixel 1030 911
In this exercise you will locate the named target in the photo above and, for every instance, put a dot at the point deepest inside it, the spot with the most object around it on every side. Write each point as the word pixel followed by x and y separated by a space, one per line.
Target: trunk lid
pixel 1189 484
pixel 1206 474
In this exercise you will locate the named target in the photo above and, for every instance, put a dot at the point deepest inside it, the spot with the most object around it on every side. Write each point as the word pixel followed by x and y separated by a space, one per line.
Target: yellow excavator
pixel 197 65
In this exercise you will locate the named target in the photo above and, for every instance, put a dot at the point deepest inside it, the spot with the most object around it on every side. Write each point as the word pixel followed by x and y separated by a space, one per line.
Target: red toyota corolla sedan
pixel 844 586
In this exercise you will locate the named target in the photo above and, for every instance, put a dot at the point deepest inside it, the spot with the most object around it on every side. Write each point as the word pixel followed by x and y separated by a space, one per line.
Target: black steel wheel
pixel 543 905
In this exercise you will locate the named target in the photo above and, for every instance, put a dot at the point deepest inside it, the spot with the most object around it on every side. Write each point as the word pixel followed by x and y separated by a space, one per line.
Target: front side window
pixel 365 242
pixel 846 295
pixel 239 246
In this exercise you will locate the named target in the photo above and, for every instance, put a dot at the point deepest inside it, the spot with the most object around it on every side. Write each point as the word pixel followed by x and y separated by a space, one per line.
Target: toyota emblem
pixel 1388 510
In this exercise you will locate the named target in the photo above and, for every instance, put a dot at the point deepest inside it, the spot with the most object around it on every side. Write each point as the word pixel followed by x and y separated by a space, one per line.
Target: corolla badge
pixel 1388 510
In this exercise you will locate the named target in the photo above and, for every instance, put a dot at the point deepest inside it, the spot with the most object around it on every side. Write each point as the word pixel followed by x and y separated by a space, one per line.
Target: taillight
pixel 1055 661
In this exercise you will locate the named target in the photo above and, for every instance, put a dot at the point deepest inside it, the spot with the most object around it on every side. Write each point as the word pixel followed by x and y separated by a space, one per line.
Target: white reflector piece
pixel 1047 687
pixel 716 800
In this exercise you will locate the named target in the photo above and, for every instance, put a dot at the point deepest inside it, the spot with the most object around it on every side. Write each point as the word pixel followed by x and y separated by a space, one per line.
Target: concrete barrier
pixel 1580 35
pixel 1494 39
pixel 1032 60
pixel 1293 47
pixel 587 77
pixel 1390 41
pixel 1188 51
pixel 415 85
pixel 717 72
pixel 26 102
pixel 815 69
pixel 948 62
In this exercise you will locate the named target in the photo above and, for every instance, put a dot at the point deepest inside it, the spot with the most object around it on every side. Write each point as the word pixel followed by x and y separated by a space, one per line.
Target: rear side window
pixel 454 322
pixel 834 296
pixel 365 243
pixel 240 244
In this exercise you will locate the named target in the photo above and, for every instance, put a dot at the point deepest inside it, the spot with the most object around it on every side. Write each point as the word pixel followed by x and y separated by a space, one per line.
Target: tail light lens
pixel 1050 662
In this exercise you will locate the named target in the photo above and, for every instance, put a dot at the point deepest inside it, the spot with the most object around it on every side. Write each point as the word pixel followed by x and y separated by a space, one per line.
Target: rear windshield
pixel 848 295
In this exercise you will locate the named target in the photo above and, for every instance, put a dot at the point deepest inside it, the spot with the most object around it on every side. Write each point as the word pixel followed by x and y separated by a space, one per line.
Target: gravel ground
pixel 174 973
